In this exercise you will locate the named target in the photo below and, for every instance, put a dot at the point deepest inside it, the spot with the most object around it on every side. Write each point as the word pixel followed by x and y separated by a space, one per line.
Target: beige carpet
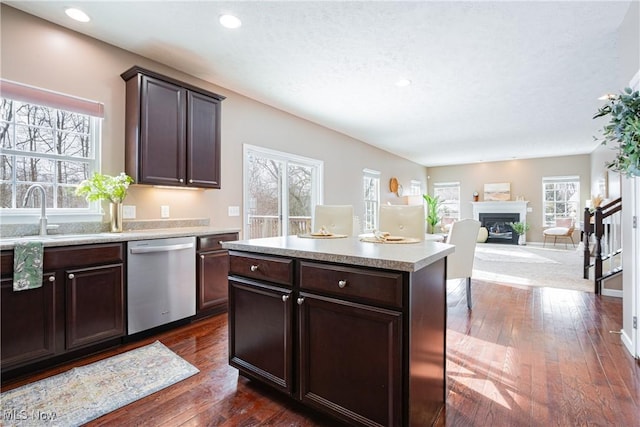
pixel 530 266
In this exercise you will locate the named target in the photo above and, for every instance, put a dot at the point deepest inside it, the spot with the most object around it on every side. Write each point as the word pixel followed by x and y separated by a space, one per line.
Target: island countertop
pixel 350 250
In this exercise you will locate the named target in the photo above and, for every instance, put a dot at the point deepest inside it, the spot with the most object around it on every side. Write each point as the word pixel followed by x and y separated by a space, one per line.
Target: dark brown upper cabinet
pixel 172 131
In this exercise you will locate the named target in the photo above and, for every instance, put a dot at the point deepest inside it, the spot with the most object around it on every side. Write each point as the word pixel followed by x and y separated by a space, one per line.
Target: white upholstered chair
pixel 403 220
pixel 564 229
pixel 464 235
pixel 337 219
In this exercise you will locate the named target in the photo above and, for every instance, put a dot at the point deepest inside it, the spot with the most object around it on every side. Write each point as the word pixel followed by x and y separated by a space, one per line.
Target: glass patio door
pixel 280 192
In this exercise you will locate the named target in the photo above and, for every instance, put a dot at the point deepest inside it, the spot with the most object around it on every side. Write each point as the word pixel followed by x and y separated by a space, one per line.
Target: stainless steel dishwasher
pixel 161 282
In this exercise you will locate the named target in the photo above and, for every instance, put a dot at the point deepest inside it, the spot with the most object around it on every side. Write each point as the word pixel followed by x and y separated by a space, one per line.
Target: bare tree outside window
pixel 561 198
pixel 280 193
pixel 49 146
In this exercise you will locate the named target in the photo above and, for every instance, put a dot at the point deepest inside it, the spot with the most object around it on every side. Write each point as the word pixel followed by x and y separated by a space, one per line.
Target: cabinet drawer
pixel 371 286
pixel 213 242
pixel 272 269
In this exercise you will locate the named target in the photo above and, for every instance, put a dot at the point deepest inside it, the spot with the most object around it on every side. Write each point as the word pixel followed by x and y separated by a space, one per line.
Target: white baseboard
pixel 626 340
pixel 611 293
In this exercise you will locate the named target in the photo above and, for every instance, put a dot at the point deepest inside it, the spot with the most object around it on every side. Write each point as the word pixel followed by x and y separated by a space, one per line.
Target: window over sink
pixel 50 139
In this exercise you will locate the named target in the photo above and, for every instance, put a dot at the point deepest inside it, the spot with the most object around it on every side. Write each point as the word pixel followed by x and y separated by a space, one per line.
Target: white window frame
pixel 444 204
pixel 415 188
pixel 576 202
pixel 37 96
pixel 370 215
pixel 317 178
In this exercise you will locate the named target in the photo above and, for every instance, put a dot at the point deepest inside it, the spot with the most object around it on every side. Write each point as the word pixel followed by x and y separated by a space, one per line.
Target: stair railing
pixel 606 227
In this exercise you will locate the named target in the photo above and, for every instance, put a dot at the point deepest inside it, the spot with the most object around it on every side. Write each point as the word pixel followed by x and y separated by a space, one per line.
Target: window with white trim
pixel 49 139
pixel 415 188
pixel 371 193
pixel 560 198
pixel 449 195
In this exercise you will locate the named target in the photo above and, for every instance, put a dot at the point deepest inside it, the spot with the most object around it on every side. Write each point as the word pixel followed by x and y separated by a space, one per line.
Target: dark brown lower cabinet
pixel 368 345
pixel 345 349
pixel 94 305
pixel 79 308
pixel 28 322
pixel 262 343
pixel 212 266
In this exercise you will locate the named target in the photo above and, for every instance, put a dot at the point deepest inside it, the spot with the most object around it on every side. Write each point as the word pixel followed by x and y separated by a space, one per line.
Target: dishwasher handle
pixel 166 248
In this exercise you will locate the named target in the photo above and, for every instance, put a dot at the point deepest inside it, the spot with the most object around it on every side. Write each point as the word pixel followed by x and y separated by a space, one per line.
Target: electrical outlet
pixel 234 210
pixel 164 211
pixel 128 212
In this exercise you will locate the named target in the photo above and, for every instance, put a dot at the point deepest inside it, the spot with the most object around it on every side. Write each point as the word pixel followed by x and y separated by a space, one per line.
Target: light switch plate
pixel 234 210
pixel 529 209
pixel 164 211
pixel 128 212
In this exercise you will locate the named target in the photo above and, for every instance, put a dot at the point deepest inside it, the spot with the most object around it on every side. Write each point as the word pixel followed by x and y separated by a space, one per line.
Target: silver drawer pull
pixel 342 283
pixel 52 278
pixel 220 242
pixel 254 268
pixel 300 301
pixel 71 276
pixel 201 256
pixel 285 298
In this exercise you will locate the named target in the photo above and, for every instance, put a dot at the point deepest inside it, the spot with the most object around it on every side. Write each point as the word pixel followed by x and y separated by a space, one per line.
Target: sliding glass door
pixel 280 192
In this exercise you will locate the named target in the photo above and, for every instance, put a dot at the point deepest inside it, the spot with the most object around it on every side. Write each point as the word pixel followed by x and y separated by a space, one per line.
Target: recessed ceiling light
pixel 403 83
pixel 77 14
pixel 230 21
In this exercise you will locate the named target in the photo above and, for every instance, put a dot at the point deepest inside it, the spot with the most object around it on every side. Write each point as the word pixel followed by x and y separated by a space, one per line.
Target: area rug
pixel 531 266
pixel 85 393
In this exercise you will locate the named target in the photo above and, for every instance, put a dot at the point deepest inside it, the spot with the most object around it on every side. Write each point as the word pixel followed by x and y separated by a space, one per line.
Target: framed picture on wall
pixel 497 192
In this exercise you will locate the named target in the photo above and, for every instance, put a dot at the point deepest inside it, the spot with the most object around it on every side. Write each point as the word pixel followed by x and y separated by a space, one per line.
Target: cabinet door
pixel 94 305
pixel 162 133
pixel 213 288
pixel 260 332
pixel 28 322
pixel 350 360
pixel 203 141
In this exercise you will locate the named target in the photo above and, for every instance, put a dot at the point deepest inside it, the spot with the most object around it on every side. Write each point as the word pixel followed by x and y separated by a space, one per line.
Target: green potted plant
pixel 623 131
pixel 520 228
pixel 433 214
pixel 106 187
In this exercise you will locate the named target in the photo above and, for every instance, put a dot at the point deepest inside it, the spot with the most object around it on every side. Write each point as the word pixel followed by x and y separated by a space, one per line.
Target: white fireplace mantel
pixel 519 207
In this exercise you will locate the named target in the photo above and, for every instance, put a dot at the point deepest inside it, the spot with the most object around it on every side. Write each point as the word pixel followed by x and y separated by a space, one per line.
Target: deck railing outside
pixel 269 225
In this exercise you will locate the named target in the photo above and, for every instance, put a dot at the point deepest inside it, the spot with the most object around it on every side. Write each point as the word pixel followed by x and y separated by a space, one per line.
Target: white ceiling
pixel 491 80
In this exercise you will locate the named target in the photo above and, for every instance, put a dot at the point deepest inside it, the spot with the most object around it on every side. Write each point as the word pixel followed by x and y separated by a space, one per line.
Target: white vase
pixel 522 239
pixel 115 210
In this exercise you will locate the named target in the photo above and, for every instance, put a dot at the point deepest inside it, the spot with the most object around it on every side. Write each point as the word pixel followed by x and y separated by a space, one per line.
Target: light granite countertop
pixel 105 237
pixel 350 250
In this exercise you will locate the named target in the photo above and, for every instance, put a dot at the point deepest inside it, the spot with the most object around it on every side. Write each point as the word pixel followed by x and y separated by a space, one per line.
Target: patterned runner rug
pixel 85 393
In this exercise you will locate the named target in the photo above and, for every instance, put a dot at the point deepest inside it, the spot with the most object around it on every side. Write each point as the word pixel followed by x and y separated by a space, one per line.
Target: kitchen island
pixel 354 329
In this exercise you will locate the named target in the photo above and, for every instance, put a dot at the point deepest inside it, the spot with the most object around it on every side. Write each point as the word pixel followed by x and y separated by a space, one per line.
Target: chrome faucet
pixel 43 206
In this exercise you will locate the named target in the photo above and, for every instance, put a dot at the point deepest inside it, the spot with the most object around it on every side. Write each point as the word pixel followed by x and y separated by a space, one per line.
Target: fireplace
pixel 497 224
pixel 496 216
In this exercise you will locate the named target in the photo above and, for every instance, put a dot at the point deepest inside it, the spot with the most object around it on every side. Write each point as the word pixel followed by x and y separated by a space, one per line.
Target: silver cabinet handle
pixel 190 181
pixel 181 180
pixel 71 276
pixel 201 256
pixel 52 278
pixel 220 242
pixel 254 268
pixel 285 298
pixel 300 301
pixel 342 283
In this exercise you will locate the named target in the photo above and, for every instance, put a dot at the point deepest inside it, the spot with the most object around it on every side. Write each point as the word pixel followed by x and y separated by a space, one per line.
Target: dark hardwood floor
pixel 536 357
